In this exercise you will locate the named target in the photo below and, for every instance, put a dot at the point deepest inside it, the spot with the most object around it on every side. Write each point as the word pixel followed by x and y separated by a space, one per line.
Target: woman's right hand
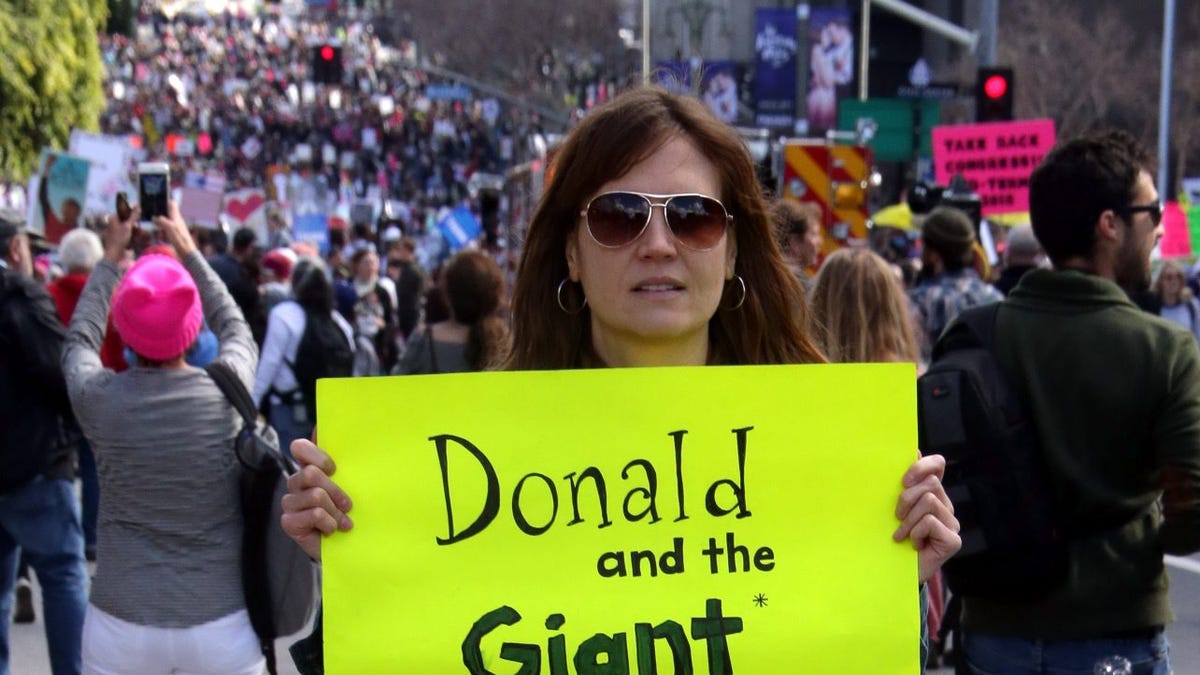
pixel 314 505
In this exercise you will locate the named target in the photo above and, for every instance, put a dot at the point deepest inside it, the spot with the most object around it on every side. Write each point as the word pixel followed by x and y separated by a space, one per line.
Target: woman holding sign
pixel 651 247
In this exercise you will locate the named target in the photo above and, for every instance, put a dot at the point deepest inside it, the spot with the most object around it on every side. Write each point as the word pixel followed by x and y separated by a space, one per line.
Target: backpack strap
pixel 237 395
pixel 255 514
pixel 975 327
pixel 229 384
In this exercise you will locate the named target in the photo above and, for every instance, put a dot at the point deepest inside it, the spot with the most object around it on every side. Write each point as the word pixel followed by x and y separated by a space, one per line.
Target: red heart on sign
pixel 242 209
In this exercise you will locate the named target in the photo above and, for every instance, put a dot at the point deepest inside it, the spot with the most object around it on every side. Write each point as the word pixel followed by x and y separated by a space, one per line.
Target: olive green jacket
pixel 1115 395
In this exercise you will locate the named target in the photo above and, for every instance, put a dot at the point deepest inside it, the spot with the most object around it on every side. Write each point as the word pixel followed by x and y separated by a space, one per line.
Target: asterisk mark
pixel 760 600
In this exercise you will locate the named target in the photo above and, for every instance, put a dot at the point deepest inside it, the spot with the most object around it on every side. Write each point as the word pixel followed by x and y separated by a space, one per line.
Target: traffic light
pixel 994 95
pixel 327 64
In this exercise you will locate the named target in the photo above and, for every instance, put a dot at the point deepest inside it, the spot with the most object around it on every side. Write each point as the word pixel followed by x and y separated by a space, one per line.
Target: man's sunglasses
pixel 1155 210
pixel 615 219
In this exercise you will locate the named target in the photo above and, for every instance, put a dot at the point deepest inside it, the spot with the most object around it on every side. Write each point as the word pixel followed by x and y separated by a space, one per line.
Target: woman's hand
pixel 927 516
pixel 174 229
pixel 314 505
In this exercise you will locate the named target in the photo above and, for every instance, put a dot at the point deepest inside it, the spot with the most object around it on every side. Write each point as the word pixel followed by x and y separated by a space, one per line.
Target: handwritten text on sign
pixel 996 158
pixel 686 520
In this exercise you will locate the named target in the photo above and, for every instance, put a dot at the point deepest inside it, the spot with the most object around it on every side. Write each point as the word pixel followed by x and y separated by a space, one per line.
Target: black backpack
pixel 996 476
pixel 323 352
pixel 279 581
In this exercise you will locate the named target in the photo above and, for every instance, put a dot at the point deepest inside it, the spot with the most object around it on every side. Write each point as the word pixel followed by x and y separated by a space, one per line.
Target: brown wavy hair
pixel 768 328
pixel 473 286
pixel 859 310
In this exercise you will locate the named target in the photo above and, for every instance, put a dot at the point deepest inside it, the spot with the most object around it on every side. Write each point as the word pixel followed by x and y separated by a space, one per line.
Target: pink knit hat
pixel 157 308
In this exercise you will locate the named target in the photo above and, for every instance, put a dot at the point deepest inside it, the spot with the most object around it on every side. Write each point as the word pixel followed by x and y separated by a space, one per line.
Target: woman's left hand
pixel 927 516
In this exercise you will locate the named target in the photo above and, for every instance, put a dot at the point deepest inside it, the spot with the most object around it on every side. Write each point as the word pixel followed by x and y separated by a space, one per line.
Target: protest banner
pixel 1176 241
pixel 459 226
pixel 247 208
pixel 111 159
pixel 56 199
pixel 996 158
pixel 312 228
pixel 614 519
pixel 200 206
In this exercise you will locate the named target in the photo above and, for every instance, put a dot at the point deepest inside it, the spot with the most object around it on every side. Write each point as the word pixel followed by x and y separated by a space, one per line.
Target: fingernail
pixel 345 523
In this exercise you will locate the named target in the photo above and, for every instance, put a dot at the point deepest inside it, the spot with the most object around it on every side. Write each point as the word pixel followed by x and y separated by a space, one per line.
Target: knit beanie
pixel 949 232
pixel 157 308
pixel 279 263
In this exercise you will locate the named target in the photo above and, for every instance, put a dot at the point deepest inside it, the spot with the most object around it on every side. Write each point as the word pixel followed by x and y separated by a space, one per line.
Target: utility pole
pixel 989 18
pixel 645 41
pixel 1164 101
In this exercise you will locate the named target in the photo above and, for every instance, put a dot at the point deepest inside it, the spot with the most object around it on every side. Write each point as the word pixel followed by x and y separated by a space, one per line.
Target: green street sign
pixel 893 140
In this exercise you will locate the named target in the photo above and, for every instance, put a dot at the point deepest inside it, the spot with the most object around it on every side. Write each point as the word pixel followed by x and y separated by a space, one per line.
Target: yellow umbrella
pixel 898 216
pixel 1010 219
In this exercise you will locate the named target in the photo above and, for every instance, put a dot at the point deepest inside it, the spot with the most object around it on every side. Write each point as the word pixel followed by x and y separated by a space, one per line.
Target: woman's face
pixel 368 267
pixel 651 299
pixel 1171 281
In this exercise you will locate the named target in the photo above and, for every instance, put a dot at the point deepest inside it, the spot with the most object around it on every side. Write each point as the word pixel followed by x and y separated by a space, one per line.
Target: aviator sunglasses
pixel 615 219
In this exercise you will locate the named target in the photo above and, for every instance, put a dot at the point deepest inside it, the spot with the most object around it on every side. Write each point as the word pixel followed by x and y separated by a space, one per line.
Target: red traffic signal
pixel 994 95
pixel 326 64
pixel 995 86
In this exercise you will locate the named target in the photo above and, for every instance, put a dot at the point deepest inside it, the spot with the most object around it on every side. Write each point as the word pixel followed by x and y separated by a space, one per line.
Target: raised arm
pixel 220 311
pixel 85 373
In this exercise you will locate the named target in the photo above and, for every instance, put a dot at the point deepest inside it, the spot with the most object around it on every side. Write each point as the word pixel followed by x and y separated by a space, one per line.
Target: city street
pixel 29 644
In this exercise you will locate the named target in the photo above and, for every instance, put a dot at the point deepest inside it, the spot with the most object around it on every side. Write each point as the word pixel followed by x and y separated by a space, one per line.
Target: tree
pixel 1081 65
pixel 50 76
pixel 1089 65
pixel 1185 98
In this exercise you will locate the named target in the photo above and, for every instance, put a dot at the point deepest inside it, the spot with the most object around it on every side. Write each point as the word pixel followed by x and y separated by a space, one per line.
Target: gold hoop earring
pixel 741 298
pixel 558 295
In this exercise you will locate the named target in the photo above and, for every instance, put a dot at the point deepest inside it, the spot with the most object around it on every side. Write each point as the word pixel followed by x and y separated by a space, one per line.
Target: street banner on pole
pixel 831 65
pixel 614 519
pixel 775 67
pixel 996 158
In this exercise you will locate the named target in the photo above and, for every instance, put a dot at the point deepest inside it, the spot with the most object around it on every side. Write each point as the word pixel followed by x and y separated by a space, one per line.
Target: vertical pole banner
pixel 622 521
pixel 719 89
pixel 775 67
pixel 831 59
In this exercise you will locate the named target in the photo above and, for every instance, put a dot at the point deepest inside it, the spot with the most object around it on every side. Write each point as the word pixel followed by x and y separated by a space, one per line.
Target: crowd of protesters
pixel 245 83
pixel 367 304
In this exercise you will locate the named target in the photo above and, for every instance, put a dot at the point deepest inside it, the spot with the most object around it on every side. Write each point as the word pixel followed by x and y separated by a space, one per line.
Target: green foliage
pixel 51 77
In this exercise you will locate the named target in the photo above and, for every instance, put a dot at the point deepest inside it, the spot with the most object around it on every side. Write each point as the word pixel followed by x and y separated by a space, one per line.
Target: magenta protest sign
pixel 996 158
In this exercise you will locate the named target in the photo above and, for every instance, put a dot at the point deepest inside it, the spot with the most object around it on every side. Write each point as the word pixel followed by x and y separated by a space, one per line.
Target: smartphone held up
pixel 154 186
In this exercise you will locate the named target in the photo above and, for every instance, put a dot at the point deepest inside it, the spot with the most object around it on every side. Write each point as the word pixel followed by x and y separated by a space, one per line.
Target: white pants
pixel 226 646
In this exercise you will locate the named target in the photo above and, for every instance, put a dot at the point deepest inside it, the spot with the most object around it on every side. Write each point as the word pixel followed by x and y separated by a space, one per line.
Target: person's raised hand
pixel 927 516
pixel 314 506
pixel 174 230
pixel 117 235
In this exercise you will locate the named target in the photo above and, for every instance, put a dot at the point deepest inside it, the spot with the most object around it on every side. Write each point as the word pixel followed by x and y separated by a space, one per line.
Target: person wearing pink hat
pixel 169 586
